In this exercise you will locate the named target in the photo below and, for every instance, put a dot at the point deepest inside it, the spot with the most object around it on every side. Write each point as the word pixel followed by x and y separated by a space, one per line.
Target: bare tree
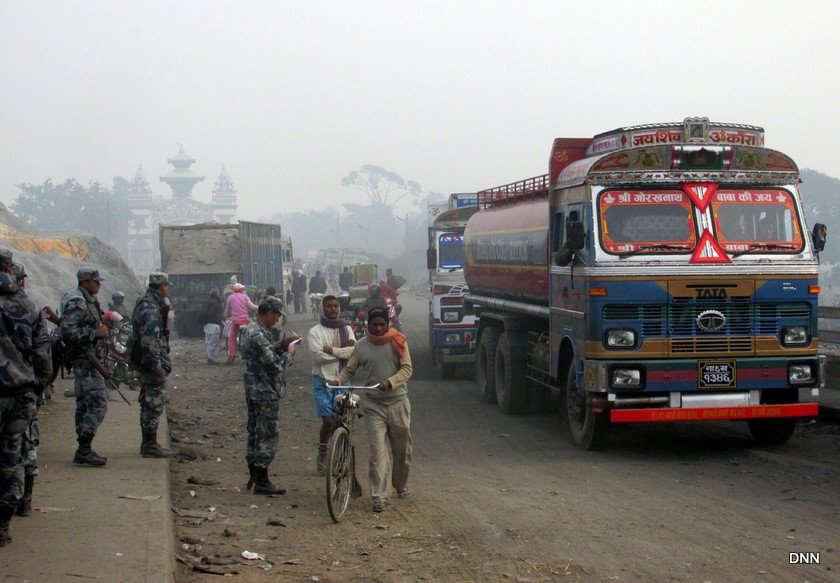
pixel 382 187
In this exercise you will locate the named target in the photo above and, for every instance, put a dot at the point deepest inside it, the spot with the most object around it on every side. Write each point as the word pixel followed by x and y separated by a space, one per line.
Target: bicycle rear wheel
pixel 340 473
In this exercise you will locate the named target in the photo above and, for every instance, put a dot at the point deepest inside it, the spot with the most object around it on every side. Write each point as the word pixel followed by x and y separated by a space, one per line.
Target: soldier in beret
pixel 25 369
pixel 149 322
pixel 83 334
pixel 264 362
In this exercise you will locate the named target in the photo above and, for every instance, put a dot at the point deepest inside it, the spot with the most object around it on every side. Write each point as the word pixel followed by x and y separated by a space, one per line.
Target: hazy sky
pixel 457 95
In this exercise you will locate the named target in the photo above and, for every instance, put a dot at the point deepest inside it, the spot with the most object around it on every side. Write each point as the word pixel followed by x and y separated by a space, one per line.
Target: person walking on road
pixel 264 362
pixel 345 279
pixel 299 292
pixel 317 285
pixel 238 308
pixel 382 358
pixel 25 369
pixel 210 317
pixel 85 338
pixel 331 343
pixel 149 328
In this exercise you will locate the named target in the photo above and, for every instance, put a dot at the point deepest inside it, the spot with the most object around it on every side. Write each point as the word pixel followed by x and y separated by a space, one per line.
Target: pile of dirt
pixel 50 274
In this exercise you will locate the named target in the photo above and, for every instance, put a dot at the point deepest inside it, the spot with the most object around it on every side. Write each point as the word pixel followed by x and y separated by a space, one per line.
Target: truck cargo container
pixel 202 257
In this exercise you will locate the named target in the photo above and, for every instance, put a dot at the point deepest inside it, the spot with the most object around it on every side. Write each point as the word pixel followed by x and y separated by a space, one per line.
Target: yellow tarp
pixel 68 247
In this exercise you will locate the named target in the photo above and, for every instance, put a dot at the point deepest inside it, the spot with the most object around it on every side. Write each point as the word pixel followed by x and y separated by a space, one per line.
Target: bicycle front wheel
pixel 340 474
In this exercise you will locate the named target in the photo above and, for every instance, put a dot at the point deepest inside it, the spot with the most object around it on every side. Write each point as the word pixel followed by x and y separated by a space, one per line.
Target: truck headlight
pixel 626 377
pixel 621 338
pixel 795 335
pixel 800 374
pixel 451 316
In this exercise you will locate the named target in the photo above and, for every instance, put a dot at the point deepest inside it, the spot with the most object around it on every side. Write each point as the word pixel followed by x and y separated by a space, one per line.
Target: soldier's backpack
pixel 132 345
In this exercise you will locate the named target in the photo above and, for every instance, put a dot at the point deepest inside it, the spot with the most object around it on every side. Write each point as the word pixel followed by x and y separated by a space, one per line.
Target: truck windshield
pixel 451 253
pixel 756 221
pixel 646 222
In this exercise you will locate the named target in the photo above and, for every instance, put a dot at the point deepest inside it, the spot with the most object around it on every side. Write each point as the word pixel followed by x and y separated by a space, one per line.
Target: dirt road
pixel 497 498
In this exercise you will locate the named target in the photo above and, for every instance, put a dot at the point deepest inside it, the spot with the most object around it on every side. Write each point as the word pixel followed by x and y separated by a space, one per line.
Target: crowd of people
pixel 379 358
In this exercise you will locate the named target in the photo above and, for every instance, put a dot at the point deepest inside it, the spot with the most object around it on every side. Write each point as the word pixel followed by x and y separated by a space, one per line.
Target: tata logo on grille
pixel 711 321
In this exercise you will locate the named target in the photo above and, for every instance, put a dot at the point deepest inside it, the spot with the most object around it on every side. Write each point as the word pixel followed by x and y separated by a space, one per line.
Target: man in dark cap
pixel 149 328
pixel 264 363
pixel 25 369
pixel 85 336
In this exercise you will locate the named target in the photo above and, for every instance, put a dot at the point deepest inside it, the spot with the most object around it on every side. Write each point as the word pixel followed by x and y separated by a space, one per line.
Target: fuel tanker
pixel 660 272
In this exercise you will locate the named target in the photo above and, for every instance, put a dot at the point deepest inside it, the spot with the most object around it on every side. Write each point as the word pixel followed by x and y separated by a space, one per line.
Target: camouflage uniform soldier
pixel 25 369
pixel 32 435
pixel 150 328
pixel 264 362
pixel 84 335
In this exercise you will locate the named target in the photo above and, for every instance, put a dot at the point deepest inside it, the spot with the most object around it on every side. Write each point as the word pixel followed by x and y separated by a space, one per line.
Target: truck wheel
pixel 511 384
pixel 485 364
pixel 589 430
pixel 445 370
pixel 772 431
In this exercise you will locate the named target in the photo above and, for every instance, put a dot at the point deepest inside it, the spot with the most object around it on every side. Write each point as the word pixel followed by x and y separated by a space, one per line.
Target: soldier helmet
pixel 158 278
pixel 5 259
pixel 271 304
pixel 88 274
pixel 118 295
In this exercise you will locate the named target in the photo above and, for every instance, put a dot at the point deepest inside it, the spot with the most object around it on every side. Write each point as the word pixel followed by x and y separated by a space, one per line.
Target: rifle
pixel 103 371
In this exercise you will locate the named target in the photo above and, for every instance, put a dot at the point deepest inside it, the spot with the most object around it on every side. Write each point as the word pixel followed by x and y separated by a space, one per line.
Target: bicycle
pixel 341 453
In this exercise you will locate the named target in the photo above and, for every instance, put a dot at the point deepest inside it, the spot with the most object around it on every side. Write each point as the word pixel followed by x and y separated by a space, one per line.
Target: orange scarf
pixel 397 340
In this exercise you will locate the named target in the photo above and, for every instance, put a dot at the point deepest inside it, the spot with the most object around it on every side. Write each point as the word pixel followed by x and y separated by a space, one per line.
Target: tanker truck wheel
pixel 511 383
pixel 772 431
pixel 485 364
pixel 589 430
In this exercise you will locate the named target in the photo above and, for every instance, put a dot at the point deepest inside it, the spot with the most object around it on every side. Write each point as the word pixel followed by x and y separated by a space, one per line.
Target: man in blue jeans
pixel 331 343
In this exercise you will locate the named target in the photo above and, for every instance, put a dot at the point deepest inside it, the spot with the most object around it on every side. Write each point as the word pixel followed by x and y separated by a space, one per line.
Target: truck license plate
pixel 716 374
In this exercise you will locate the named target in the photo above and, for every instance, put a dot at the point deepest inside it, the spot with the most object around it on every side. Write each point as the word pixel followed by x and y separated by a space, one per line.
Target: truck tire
pixel 772 431
pixel 589 430
pixel 445 370
pixel 511 383
pixel 485 364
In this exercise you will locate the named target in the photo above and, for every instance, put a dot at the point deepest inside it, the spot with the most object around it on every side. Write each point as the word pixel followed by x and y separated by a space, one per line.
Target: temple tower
pixel 142 226
pixel 182 179
pixel 223 201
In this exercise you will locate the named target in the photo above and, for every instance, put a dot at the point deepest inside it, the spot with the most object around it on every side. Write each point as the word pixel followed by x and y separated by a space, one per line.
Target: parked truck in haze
pixel 202 257
pixel 656 273
pixel 451 329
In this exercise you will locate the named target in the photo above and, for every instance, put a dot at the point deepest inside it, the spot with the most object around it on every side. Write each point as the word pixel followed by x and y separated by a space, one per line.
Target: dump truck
pixel 205 256
pixel 657 273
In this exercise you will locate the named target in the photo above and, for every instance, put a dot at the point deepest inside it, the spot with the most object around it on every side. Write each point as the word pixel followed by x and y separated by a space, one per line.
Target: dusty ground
pixel 498 498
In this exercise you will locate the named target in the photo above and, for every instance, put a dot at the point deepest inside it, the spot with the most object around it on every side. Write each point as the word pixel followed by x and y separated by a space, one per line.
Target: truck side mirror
pixel 818 236
pixel 563 257
pixel 431 258
pixel 574 235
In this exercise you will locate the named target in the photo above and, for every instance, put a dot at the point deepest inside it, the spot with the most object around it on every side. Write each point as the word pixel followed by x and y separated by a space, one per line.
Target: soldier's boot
pixel 85 456
pixel 262 485
pixel 25 506
pixel 5 519
pixel 322 458
pixel 251 477
pixel 151 448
